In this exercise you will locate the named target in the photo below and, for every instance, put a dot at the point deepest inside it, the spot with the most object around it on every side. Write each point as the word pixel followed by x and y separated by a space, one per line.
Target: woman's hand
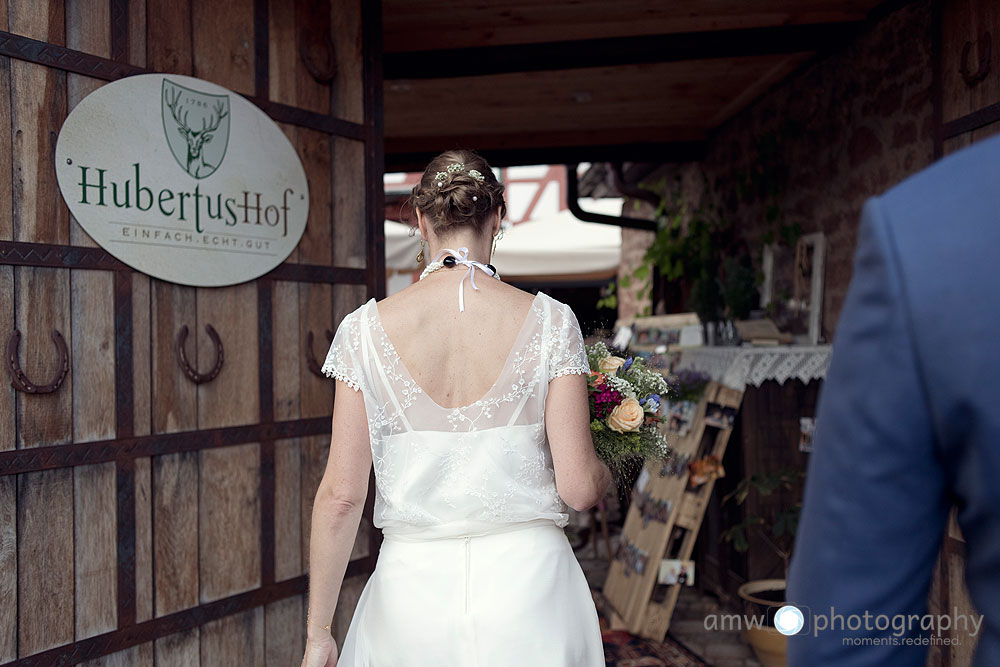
pixel 320 652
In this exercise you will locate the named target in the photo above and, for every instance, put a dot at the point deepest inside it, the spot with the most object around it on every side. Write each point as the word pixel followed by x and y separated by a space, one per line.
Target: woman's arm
pixel 337 508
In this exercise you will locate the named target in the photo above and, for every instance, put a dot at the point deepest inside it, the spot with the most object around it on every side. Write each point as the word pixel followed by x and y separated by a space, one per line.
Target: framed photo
pixel 673 571
pixel 795 300
pixel 720 416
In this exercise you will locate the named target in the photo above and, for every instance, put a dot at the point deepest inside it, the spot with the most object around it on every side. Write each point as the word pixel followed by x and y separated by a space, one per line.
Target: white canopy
pixel 557 247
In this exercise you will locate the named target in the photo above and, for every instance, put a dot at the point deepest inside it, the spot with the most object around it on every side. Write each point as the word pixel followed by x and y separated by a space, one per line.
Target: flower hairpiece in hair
pixel 476 175
pixel 455 167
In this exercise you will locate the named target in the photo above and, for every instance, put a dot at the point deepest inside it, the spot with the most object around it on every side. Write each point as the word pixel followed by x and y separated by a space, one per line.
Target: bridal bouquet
pixel 625 399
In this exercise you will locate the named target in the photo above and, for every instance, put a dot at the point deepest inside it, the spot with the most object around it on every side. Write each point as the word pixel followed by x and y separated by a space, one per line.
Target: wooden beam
pixel 528 154
pixel 614 51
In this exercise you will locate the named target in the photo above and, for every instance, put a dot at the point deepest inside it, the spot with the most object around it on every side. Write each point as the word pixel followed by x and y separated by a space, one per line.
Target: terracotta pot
pixel 769 645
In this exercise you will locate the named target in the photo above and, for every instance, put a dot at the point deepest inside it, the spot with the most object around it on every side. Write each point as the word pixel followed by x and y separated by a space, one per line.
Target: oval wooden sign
pixel 182 179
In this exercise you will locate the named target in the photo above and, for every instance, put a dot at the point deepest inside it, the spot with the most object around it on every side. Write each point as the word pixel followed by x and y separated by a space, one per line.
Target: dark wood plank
pixel 284 632
pixel 229 522
pixel 92 362
pixel 234 640
pixel 288 349
pixel 143 539
pixel 135 656
pixel 316 393
pixel 962 22
pixel 45 419
pixel 350 239
pixel 168 36
pixel 314 151
pixel 180 649
pixel 45 560
pixel 224 56
pixel 8 418
pixel 287 503
pixel 8 568
pixel 290 82
pixel 175 541
pixel 348 41
pixel 96 569
pixel 410 26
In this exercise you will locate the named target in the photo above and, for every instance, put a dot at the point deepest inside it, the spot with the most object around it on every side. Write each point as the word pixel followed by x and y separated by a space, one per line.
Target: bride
pixel 475 417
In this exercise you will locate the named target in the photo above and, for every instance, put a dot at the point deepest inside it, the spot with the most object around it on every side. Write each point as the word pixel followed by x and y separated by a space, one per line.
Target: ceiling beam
pixel 606 52
pixel 516 156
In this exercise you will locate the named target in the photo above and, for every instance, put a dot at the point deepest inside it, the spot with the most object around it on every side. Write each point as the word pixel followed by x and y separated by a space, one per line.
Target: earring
pixel 420 255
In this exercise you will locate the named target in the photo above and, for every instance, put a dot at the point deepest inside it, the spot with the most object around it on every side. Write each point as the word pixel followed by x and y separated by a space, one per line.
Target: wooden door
pixel 143 516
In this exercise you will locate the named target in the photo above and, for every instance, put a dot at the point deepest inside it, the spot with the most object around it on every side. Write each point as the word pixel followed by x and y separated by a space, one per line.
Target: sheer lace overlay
pixel 442 470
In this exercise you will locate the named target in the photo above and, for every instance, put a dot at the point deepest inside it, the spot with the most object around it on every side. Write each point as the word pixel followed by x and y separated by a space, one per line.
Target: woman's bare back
pixel 454 356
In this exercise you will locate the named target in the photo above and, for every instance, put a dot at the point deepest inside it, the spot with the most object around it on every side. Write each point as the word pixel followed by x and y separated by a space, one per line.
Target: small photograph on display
pixel 681 413
pixel 720 416
pixel 674 571
pixel 807 427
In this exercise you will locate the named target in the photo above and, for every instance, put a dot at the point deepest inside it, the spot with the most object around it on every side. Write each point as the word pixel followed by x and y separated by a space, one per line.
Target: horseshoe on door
pixel 311 361
pixel 20 381
pixel 182 361
pixel 985 51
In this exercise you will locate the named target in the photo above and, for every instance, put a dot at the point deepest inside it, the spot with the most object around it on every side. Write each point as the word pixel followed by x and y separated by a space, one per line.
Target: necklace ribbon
pixel 462 257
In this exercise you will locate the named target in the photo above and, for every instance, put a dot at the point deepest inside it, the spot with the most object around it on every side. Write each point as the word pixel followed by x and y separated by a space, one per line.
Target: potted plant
pixel 776 528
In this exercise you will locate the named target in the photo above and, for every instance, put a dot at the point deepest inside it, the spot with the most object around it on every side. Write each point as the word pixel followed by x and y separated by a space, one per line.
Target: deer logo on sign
pixel 197 127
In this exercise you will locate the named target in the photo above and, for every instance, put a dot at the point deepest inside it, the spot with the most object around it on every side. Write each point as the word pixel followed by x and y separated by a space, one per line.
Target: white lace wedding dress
pixel 475 568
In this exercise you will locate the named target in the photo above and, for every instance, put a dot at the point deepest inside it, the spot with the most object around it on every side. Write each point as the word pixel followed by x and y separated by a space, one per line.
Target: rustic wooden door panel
pixel 229 521
pixel 38 107
pixel 287 503
pixel 315 450
pixel 290 80
pixel 287 351
pixel 284 635
pixel 314 150
pixel 88 29
pixel 966 22
pixel 348 41
pixel 8 568
pixel 232 397
pixel 43 304
pixel 143 539
pixel 179 650
pixel 136 656
pixel 96 567
pixel 223 43
pixel 45 560
pixel 350 245
pixel 175 538
pixel 92 359
pixel 315 314
pixel 168 36
pixel 142 351
pixel 174 396
pixel 8 397
pixel 173 524
pixel 6 201
pixel 234 640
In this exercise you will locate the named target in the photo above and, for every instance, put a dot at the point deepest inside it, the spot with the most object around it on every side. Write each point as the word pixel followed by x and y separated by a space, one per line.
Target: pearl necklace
pixel 463 258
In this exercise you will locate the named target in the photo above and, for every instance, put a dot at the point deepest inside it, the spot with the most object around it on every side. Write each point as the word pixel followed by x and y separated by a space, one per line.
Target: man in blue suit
pixel 908 424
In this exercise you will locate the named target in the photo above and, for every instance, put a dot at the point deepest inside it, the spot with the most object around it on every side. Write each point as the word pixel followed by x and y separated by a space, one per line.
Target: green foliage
pixel 782 523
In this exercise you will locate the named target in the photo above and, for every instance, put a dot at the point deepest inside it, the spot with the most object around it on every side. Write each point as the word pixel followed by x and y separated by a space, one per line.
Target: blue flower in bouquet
pixel 627 364
pixel 651 403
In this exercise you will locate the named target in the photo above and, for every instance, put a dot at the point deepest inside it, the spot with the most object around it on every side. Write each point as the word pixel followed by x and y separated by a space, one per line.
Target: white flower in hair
pixel 476 175
pixel 455 167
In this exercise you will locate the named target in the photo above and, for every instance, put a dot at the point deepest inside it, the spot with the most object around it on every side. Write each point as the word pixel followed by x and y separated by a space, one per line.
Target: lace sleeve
pixel 567 353
pixel 343 358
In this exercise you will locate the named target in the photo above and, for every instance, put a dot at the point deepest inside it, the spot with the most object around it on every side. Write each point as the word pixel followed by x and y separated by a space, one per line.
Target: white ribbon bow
pixel 462 257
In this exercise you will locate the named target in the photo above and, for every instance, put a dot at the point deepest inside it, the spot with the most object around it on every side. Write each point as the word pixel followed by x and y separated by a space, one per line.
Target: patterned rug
pixel 622 649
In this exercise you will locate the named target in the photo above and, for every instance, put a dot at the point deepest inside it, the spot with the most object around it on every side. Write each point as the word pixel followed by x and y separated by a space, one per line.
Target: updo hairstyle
pixel 451 198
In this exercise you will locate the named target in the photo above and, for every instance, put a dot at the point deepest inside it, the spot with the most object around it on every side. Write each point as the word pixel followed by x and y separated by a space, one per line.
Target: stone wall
pixel 843 128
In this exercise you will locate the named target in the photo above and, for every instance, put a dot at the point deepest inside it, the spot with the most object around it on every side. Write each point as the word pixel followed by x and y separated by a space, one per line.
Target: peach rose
pixel 610 364
pixel 626 416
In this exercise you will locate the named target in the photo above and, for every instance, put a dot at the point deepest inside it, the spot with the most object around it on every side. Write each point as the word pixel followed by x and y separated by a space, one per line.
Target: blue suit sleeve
pixel 874 505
